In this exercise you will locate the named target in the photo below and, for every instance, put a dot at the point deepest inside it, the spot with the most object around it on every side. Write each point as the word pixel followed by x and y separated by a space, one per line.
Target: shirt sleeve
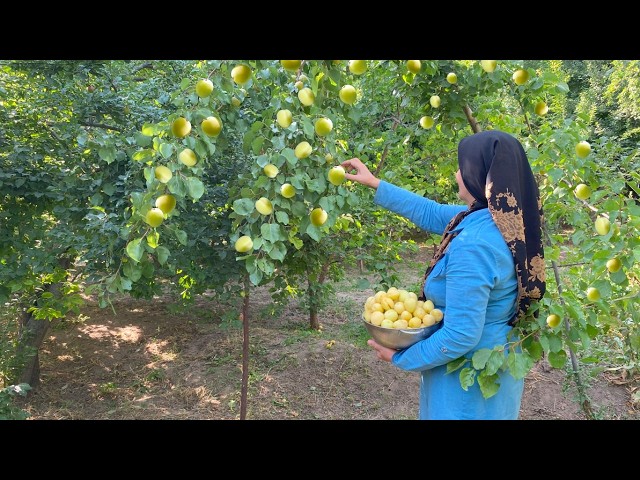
pixel 471 272
pixel 425 213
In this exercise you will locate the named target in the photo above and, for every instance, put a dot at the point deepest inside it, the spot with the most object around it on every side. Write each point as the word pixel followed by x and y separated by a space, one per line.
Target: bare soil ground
pixel 151 361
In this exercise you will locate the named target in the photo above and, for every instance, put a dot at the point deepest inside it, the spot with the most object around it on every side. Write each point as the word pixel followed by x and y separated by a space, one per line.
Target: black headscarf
pixel 496 172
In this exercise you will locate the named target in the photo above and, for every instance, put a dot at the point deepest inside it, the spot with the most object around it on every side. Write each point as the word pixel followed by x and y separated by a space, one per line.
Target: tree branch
pixel 100 125
pixel 475 126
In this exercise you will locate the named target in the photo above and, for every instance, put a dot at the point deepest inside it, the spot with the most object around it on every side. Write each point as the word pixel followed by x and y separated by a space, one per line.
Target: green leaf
pixel 363 284
pixel 290 155
pixel 163 254
pixel 307 127
pixel 519 364
pixel 125 284
pixel 534 349
pixel 195 187
pixel 143 155
pixel 278 251
pixel 149 129
pixel 495 362
pixel 109 189
pixel 107 153
pixel 555 343
pixel 181 235
pixel 142 140
pixel 467 377
pixel 488 384
pixel 314 232
pixel 166 150
pixel 256 145
pixel 244 206
pixel 272 232
pixel 135 249
pixel 282 217
pixel 152 239
pixel 454 365
pixel 480 358
pixel 557 359
pixel 132 271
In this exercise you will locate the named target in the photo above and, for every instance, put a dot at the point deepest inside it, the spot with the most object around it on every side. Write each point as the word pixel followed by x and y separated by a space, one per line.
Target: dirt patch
pixel 150 360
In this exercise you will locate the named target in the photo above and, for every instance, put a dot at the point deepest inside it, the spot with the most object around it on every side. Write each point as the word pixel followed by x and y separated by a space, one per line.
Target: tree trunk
pixel 244 317
pixel 33 333
pixel 314 323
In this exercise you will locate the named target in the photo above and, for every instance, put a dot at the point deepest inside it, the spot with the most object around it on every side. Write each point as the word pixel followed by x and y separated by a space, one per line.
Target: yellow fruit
pixel 323 126
pixel 303 150
pixel 187 157
pixel 235 101
pixel 434 101
pixel 393 293
pixel 154 217
pixel 428 320
pixel 244 244
pixel 419 312
pixel 299 85
pixel 613 265
pixel 602 225
pixel 328 157
pixel 204 87
pixel 415 322
pixel 181 127
pixel 166 203
pixel 291 65
pixel 241 74
pixel 211 126
pixel 541 109
pixel 306 97
pixel 287 190
pixel 400 324
pixel 348 94
pixel 582 191
pixel 404 315
pixel 270 170
pixel 410 304
pixel 426 122
pixel 386 323
pixel 163 174
pixel 553 320
pixel 357 67
pixel 593 294
pixel 488 65
pixel 264 206
pixel 452 78
pixel 284 118
pixel 391 314
pixel 318 216
pixel 520 76
pixel 414 66
pixel 377 318
pixel 437 314
pixel 428 306
pixel 336 175
pixel 402 295
pixel 583 149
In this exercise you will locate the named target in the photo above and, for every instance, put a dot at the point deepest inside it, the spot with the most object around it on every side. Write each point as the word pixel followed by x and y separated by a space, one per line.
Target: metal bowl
pixel 400 338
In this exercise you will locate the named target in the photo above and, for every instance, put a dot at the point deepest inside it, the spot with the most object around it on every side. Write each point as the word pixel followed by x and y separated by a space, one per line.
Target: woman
pixel 487 270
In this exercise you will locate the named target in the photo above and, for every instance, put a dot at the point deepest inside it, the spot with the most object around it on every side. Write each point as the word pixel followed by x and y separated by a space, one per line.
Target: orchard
pixel 148 178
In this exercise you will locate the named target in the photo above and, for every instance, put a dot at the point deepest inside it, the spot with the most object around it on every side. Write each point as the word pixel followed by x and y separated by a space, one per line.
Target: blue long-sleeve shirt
pixel 475 285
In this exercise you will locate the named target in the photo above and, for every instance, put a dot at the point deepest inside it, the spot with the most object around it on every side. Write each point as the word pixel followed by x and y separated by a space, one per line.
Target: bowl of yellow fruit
pixel 397 319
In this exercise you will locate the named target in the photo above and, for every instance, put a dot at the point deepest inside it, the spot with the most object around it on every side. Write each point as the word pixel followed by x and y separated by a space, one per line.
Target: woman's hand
pixel 383 353
pixel 362 175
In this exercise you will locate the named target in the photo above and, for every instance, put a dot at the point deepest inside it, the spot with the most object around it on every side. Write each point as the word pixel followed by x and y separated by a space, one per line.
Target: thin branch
pixel 475 126
pixel 137 68
pixel 100 125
